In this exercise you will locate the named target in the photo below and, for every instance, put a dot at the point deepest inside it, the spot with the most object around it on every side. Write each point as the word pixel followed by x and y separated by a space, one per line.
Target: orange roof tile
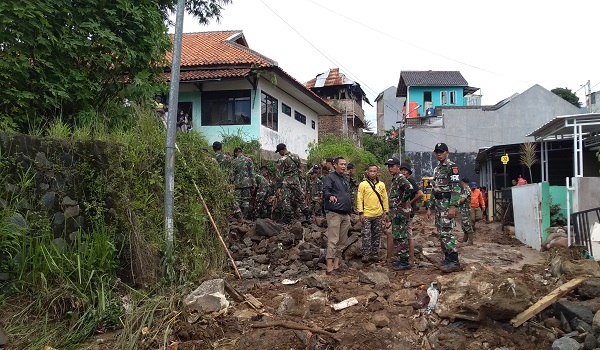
pixel 219 48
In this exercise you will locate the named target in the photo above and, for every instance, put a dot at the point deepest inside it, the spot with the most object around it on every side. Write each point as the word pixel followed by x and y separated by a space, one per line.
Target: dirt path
pixel 387 316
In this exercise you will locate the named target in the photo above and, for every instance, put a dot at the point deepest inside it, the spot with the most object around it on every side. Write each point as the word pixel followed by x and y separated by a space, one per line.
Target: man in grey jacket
pixel 338 206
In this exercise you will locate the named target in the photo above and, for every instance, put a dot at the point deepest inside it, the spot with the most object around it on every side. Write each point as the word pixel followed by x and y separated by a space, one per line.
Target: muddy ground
pixel 388 315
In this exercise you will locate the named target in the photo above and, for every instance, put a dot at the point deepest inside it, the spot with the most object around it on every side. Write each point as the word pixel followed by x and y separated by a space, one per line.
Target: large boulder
pixel 208 297
pixel 267 227
pixel 473 295
pixel 573 310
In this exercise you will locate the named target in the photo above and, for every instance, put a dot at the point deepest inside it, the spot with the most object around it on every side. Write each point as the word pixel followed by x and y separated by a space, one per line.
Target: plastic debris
pixel 289 281
pixel 345 303
pixel 433 293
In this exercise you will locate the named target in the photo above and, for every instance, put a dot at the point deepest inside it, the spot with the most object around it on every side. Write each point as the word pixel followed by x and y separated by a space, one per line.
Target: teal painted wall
pixel 552 195
pixel 416 94
pixel 214 133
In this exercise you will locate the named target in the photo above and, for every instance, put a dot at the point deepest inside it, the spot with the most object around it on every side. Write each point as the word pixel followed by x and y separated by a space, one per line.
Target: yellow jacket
pixel 367 201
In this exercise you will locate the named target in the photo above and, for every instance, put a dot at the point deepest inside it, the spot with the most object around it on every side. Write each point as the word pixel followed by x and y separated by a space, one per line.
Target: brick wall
pixel 335 125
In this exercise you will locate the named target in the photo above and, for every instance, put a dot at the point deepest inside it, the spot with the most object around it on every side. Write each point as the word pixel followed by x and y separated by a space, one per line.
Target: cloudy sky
pixel 502 47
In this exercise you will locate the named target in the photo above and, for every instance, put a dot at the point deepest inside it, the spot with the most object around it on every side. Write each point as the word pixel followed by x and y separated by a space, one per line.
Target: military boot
pixel 465 237
pixel 307 217
pixel 470 240
pixel 401 264
pixel 451 264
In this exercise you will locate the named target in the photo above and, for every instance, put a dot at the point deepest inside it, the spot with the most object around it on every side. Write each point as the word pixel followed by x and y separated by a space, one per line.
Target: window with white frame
pixel 268 111
pixel 452 97
pixel 443 97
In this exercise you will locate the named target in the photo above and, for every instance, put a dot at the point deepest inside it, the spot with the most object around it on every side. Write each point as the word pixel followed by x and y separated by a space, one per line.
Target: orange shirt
pixel 477 199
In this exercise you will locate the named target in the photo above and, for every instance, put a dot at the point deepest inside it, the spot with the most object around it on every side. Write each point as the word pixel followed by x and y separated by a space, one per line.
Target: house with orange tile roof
pixel 345 95
pixel 229 88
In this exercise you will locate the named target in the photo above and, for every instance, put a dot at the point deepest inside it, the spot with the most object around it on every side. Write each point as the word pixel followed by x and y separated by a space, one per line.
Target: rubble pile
pixel 266 249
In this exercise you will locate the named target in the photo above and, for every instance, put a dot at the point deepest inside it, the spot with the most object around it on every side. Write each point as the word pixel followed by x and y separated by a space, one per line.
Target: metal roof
pixel 431 78
pixel 563 126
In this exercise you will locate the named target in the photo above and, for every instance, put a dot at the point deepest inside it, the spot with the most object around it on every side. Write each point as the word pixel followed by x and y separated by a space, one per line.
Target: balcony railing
pixel 425 122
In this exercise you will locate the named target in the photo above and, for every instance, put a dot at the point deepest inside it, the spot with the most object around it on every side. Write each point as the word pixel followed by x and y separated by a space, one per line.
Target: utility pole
pixel 170 146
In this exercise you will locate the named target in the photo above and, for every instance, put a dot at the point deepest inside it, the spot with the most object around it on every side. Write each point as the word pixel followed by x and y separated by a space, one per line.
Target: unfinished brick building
pixel 346 96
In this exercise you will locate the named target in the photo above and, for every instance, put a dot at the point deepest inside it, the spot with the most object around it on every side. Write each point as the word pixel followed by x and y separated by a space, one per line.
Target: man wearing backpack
pixel 372 205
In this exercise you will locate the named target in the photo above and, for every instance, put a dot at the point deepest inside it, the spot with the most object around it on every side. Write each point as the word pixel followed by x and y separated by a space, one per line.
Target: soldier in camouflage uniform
pixel 244 180
pixel 352 183
pixel 400 209
pixel 446 194
pixel 465 211
pixel 288 184
pixel 315 192
pixel 265 192
pixel 223 159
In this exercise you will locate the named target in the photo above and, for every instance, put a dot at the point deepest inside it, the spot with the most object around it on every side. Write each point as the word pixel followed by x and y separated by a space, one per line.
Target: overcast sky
pixel 501 47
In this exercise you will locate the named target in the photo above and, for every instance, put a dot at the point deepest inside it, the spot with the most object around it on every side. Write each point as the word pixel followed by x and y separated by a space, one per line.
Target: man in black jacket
pixel 338 206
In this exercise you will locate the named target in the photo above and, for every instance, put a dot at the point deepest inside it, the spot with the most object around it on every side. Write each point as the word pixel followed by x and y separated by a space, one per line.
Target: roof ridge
pixel 214 32
pixel 250 51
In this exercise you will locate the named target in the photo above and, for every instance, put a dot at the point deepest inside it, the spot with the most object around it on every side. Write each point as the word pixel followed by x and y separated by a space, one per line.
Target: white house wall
pixel 293 133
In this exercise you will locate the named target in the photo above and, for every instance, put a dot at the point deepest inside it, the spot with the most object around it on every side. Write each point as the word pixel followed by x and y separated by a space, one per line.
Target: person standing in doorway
pixel 338 206
pixel 446 194
pixel 372 205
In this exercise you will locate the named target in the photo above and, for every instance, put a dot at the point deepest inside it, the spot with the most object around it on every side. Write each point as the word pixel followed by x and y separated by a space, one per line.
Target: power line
pixel 416 46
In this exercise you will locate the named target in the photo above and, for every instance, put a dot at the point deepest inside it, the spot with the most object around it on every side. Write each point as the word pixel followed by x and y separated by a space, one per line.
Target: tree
pixel 567 95
pixel 62 57
pixel 383 147
pixel 528 156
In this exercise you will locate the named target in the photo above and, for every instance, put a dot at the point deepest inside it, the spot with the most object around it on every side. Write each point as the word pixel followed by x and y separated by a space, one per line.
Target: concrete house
pixel 427 90
pixel 389 110
pixel 467 129
pixel 346 96
pixel 229 88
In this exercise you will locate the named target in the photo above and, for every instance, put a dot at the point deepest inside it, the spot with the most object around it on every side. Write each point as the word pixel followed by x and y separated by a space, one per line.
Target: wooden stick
pixel 297 327
pixel 546 301
pixel 234 293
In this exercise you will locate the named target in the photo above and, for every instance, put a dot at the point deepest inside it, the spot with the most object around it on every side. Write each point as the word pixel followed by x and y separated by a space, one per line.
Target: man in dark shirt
pixel 338 206
pixel 415 196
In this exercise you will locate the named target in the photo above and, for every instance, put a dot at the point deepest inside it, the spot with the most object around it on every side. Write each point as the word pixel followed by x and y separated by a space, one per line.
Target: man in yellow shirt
pixel 372 204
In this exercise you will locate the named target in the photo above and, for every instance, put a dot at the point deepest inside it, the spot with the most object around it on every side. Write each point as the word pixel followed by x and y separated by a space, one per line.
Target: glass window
pixel 286 109
pixel 444 97
pixel 300 117
pixel 452 97
pixel 227 107
pixel 313 124
pixel 268 111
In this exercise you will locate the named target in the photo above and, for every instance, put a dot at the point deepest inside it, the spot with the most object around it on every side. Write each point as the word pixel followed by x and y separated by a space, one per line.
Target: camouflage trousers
pixel 400 233
pixel 465 220
pixel 242 200
pixel 316 206
pixel 263 209
pixel 371 232
pixel 444 225
pixel 292 196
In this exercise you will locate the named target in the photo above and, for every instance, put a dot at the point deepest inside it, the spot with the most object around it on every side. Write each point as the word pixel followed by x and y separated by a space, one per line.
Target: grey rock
pixel 42 161
pixel 248 242
pixel 60 244
pixel 565 343
pixel 571 310
pixel 44 186
pixel 3 203
pixel 267 228
pixel 596 322
pixel 590 288
pixel 298 231
pixel 71 212
pixel 208 297
pixel 580 326
pixel 245 273
pixel 316 281
pixel 48 200
pixel 261 258
pixel 590 342
pixel 18 223
pixel 73 235
pixel 376 278
pixel 380 320
pixel 421 324
pixel 370 327
pixel 67 201
pixel 59 219
pixel 10 188
pixel 565 325
pixel 3 337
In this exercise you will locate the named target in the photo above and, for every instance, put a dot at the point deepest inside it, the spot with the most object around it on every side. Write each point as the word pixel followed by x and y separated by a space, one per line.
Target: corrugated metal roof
pixel 331 77
pixel 429 78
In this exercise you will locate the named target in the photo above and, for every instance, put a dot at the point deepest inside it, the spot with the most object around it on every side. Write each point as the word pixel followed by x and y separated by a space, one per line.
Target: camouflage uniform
pixel 353 184
pixel 445 192
pixel 465 209
pixel 315 193
pixel 289 183
pixel 223 159
pixel 400 191
pixel 243 178
pixel 262 205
